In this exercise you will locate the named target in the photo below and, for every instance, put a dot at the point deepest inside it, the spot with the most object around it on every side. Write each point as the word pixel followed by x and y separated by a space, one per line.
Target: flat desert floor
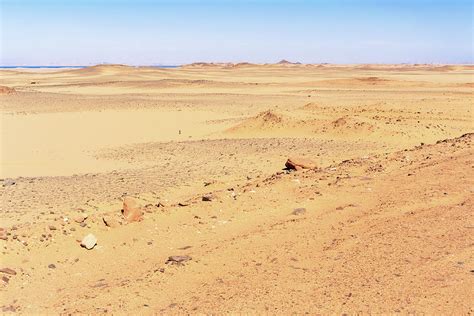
pixel 382 224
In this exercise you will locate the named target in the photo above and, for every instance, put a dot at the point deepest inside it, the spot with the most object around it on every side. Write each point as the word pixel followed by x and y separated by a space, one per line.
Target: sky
pixel 146 32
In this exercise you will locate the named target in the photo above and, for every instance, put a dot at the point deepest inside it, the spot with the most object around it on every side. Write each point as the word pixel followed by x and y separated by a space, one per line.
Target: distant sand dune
pixel 271 122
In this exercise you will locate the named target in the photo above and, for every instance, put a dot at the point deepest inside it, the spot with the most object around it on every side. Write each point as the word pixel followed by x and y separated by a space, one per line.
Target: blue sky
pixel 144 32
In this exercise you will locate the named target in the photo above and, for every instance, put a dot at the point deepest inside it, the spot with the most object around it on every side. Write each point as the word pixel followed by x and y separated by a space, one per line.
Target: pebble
pixel 299 211
pixel 52 266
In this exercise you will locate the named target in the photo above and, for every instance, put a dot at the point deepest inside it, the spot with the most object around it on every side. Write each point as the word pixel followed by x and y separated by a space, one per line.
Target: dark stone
pixel 207 198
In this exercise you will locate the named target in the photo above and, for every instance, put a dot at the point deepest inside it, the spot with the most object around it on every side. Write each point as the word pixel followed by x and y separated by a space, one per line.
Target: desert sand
pixel 380 221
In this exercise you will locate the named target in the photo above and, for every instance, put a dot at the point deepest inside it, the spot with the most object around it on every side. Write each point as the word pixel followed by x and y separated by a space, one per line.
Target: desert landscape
pixel 224 188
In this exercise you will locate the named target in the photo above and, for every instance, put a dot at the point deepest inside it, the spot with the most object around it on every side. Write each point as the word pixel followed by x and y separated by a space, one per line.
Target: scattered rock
pixel 52 266
pixel 132 210
pixel 178 260
pixel 110 221
pixel 183 204
pixel 299 211
pixel 89 242
pixel 8 271
pixel 5 279
pixel 51 227
pixel 299 163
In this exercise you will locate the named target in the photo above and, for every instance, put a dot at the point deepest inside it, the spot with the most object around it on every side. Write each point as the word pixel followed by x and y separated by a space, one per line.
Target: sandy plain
pixel 382 225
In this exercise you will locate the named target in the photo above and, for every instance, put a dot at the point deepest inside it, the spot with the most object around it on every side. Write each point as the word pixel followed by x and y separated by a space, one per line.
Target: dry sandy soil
pixel 383 224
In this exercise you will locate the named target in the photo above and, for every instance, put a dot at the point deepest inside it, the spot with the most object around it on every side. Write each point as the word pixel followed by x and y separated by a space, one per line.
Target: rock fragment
pixel 89 242
pixel 298 163
pixel 178 260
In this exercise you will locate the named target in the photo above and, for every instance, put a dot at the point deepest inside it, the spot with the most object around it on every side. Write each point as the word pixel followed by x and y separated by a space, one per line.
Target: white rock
pixel 89 241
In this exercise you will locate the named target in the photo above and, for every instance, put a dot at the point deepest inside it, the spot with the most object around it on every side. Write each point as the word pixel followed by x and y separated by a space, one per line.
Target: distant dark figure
pixel 179 132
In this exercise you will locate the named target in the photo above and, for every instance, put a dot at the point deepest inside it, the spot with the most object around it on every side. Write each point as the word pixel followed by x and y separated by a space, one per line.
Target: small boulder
pixel 300 163
pixel 132 210
pixel 89 241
